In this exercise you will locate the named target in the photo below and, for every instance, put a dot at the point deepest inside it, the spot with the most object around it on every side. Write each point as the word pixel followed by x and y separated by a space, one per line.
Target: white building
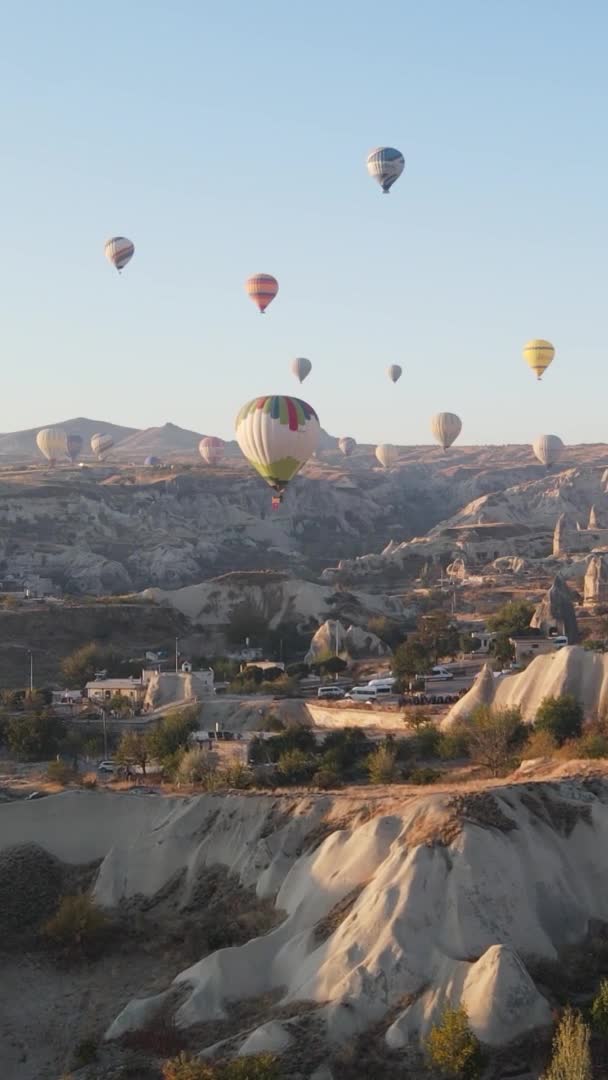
pixel 105 689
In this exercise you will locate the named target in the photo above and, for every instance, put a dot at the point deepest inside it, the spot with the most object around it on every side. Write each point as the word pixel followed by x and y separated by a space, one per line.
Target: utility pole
pixel 31 672
pixel 176 653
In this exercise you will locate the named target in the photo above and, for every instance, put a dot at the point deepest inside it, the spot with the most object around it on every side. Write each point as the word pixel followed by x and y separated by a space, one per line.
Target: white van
pixel 382 684
pixel 362 693
pixel 437 674
pixel 330 692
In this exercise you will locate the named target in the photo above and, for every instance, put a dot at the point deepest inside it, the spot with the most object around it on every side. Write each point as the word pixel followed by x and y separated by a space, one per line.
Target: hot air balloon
pixel 347 445
pixel 211 449
pixel 385 164
pixel 394 372
pixel 548 449
pixel 301 367
pixel 151 461
pixel 101 444
pixel 386 454
pixel 73 447
pixel 262 288
pixel 446 427
pixel 538 354
pixel 277 435
pixel 119 251
pixel 52 442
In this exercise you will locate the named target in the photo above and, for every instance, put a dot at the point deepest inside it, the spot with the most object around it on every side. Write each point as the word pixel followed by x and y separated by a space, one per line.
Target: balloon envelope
pixel 538 354
pixel 152 460
pixel 301 367
pixel 262 289
pixel 52 442
pixel 385 164
pixel 277 434
pixel 119 251
pixel 446 427
pixel 347 445
pixel 100 444
pixel 548 449
pixel 74 446
pixel 211 449
pixel 394 372
pixel 386 454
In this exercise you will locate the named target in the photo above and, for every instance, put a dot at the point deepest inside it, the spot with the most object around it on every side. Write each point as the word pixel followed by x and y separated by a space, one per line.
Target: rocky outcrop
pixel 596 581
pixel 352 642
pixel 555 614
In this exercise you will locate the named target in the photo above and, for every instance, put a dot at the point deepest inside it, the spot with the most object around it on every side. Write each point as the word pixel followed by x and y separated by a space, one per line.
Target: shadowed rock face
pixel 555 614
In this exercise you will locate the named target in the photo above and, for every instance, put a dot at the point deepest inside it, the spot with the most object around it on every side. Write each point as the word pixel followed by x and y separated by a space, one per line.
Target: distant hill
pixel 163 442
pixel 21 445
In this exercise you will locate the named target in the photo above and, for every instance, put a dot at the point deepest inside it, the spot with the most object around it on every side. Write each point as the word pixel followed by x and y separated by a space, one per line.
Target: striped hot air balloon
pixel 386 455
pixel 277 435
pixel 119 251
pixel 74 446
pixel 101 444
pixel 211 449
pixel 394 372
pixel 301 368
pixel 346 445
pixel 52 442
pixel 538 354
pixel 262 289
pixel 446 428
pixel 385 164
pixel 548 449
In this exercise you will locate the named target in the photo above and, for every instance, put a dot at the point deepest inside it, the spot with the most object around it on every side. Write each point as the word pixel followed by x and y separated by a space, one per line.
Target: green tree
pixel 452 1048
pixel 571 1058
pixel 599 1009
pixel 172 733
pixel 382 765
pixel 80 666
pixel 561 716
pixel 493 737
pixel 133 749
pixel 120 704
pixel 512 618
pixel 294 766
pixel 35 736
pixel 439 634
pixel 412 658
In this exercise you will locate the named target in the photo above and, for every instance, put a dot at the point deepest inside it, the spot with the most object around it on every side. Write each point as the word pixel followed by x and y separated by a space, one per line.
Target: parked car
pixel 330 692
pixel 106 767
pixel 362 693
pixel 437 674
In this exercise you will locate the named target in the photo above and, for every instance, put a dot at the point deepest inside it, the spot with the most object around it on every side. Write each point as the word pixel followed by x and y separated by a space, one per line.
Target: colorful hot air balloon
pixel 151 461
pixel 548 449
pixel 52 442
pixel 386 454
pixel 394 372
pixel 74 447
pixel 101 444
pixel 301 367
pixel 446 427
pixel 385 164
pixel 119 251
pixel 538 354
pixel 277 435
pixel 211 449
pixel 347 445
pixel 262 288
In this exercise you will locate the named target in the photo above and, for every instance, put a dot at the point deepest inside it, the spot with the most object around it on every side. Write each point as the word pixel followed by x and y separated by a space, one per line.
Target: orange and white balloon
pixel 262 288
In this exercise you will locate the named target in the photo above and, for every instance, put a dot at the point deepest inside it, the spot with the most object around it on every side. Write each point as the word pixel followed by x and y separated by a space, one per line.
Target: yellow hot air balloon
pixel 386 455
pixel 53 443
pixel 538 354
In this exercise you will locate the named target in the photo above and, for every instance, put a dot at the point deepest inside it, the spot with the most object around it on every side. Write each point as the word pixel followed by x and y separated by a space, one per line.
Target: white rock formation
pixel 572 670
pixel 441 897
pixel 596 581
pixel 349 642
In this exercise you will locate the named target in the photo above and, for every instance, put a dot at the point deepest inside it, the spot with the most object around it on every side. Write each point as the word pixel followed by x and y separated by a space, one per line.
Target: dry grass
pixel 339 912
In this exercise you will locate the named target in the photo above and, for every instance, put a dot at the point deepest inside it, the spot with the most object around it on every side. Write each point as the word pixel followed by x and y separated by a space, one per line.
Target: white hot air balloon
pixel 211 449
pixel 277 434
pixel 386 455
pixel 101 444
pixel 446 428
pixel 347 444
pixel 548 449
pixel 301 368
pixel 53 443
pixel 119 251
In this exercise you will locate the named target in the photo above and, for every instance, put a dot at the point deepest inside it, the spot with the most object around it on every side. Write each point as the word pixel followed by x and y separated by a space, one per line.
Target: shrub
pixel 599 1009
pixel 382 766
pixel 494 735
pixel 425 775
pixel 237 775
pixel 452 1047
pixel 294 766
pixel 539 744
pixel 89 781
pixel 256 1067
pixel 593 744
pixel 326 778
pixel 561 716
pixel 453 744
pixel 60 772
pixel 571 1058
pixel 78 925
pixel 33 736
pixel 194 766
pixel 426 741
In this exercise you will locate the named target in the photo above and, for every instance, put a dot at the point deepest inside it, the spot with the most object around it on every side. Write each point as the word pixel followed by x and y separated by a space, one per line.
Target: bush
pixel 256 1067
pixel 561 716
pixel 33 736
pixel 599 1009
pixel 89 781
pixel 593 744
pixel 453 744
pixel 451 1046
pixel 60 772
pixel 425 775
pixel 194 766
pixel 78 925
pixel 571 1058
pixel 382 766
pixel 426 741
pixel 494 736
pixel 294 766
pixel 237 775
pixel 539 744
pixel 326 778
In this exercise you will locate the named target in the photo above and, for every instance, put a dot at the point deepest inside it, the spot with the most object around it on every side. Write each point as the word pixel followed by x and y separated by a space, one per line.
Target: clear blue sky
pixel 229 138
